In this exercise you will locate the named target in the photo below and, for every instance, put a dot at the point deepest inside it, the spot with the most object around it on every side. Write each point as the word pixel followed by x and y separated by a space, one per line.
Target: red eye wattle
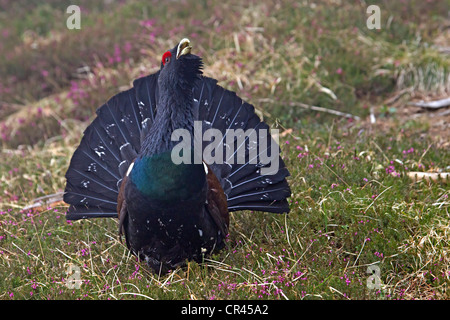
pixel 166 57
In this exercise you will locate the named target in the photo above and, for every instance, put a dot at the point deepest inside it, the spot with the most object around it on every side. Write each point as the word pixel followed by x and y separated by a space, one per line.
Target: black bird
pixel 172 212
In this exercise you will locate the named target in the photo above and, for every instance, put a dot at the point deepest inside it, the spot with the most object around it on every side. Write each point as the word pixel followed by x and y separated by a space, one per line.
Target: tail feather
pixel 80 178
pixel 146 97
pixel 84 212
pixel 261 194
pixel 116 118
pixel 244 184
pixel 267 206
pixel 256 180
pixel 94 168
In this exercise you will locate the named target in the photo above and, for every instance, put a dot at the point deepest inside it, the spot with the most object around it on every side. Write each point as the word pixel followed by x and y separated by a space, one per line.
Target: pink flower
pixel 339 71
pixel 127 47
pixel 147 23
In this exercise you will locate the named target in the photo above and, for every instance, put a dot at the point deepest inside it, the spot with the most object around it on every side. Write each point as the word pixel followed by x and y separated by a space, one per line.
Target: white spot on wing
pixel 130 168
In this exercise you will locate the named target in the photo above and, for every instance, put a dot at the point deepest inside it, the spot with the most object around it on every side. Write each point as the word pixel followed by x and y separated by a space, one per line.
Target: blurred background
pixel 277 55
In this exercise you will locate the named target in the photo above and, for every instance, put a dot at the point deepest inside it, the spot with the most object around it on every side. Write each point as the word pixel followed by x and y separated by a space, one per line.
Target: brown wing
pixel 217 202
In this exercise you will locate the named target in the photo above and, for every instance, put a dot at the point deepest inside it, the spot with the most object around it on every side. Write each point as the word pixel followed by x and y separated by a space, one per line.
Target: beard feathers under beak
pixel 184 47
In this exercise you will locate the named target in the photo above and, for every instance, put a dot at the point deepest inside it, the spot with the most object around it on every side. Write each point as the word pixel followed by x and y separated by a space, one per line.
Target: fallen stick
pixel 50 200
pixel 437 104
pixel 315 108
pixel 326 110
pixel 429 176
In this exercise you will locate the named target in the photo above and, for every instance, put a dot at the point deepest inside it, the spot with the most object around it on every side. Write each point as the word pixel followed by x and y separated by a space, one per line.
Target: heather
pixel 353 206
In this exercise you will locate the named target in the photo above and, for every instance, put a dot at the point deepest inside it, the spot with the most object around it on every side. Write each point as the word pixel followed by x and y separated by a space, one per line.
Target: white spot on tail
pixel 124 145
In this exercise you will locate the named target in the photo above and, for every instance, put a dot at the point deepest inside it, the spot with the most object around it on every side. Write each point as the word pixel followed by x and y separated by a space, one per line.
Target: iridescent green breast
pixel 157 177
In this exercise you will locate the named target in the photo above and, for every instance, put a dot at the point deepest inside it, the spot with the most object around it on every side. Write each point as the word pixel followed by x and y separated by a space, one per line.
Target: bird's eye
pixel 166 57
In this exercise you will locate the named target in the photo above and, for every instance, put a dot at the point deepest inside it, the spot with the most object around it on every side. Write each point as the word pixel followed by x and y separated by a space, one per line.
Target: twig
pixel 33 255
pixel 326 110
pixel 45 200
pixel 437 104
pixel 399 94
pixel 443 113
pixel 315 108
pixel 429 176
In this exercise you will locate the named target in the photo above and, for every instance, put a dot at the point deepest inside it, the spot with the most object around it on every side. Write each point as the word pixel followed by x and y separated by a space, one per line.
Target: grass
pixel 353 206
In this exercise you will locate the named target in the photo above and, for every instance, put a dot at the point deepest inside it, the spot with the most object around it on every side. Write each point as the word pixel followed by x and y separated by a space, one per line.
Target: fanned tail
pixel 109 145
pixel 113 140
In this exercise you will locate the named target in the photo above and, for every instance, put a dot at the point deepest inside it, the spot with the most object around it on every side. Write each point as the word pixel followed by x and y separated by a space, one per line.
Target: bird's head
pixel 180 68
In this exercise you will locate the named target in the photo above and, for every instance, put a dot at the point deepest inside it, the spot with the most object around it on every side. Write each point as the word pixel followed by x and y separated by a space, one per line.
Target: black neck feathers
pixel 175 106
